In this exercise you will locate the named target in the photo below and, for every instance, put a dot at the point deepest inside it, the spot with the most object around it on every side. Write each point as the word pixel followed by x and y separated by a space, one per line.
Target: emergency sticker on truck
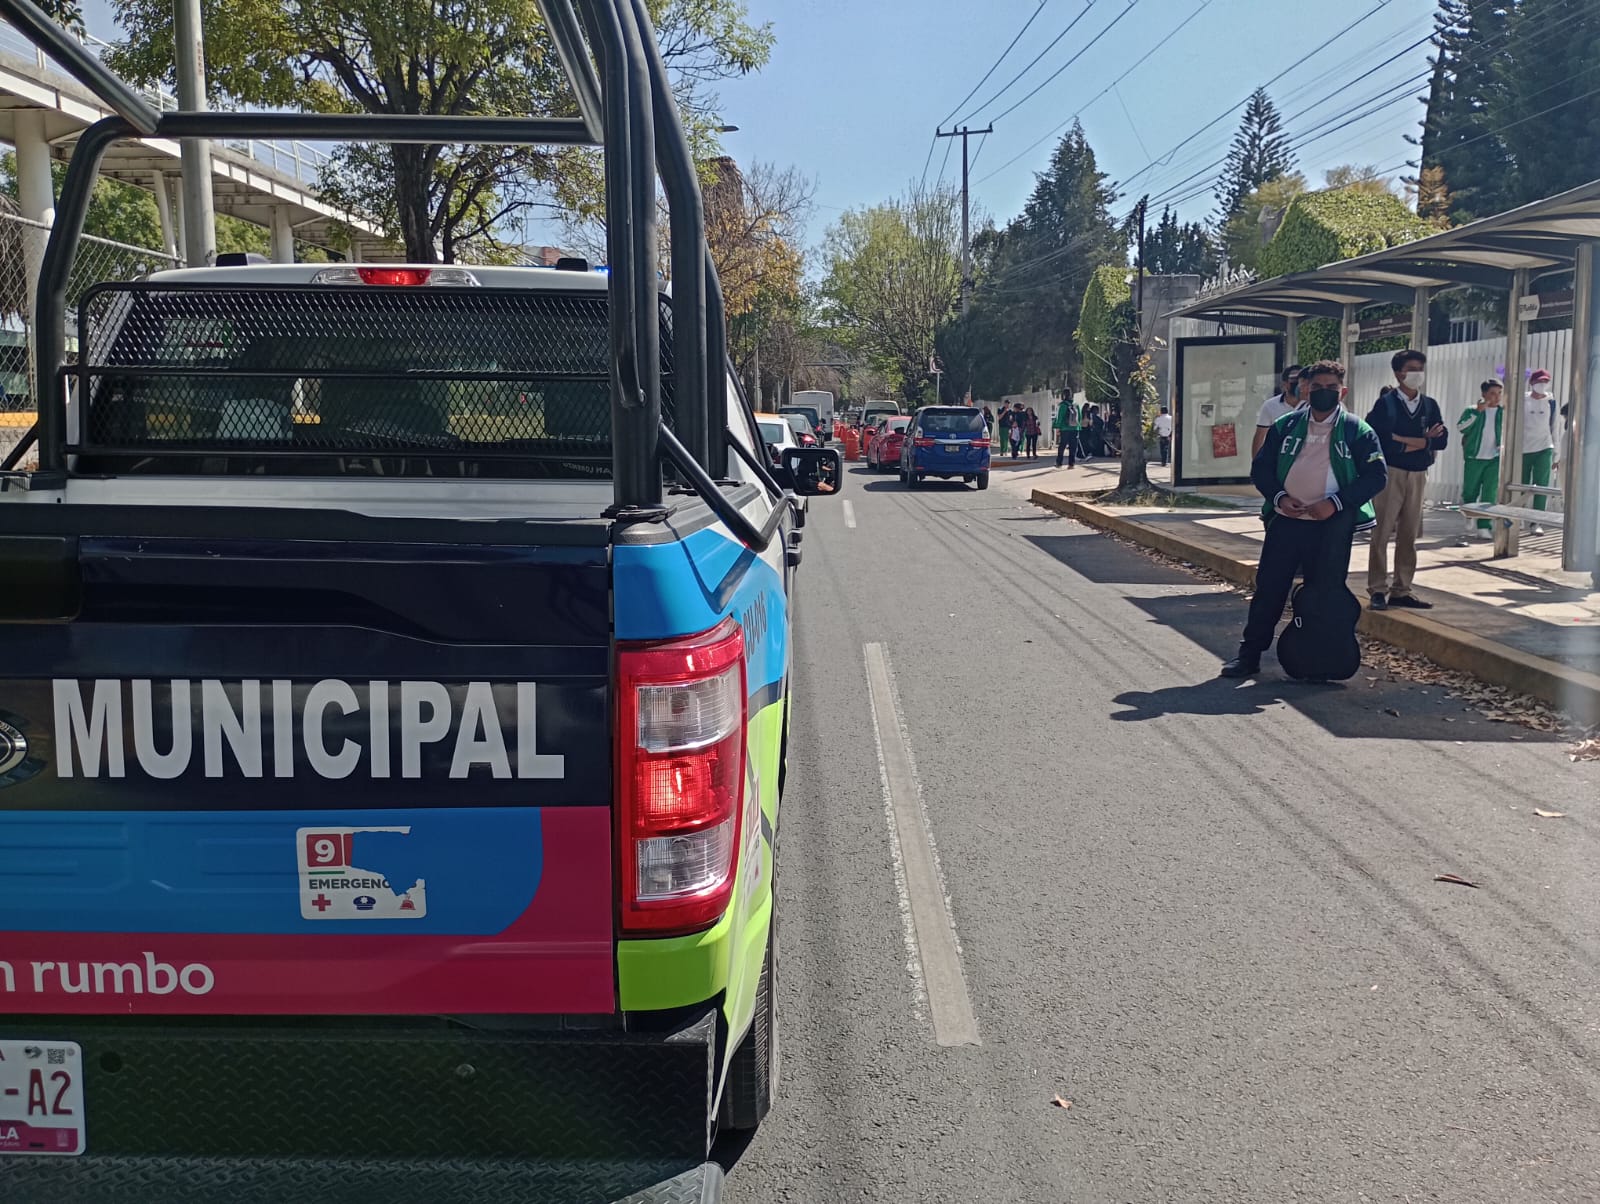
pixel 360 874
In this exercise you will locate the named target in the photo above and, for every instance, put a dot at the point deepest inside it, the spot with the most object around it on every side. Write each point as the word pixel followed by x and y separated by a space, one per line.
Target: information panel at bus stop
pixel 1221 383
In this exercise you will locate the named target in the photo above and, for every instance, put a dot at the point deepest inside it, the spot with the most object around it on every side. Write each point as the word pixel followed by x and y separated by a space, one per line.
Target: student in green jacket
pixel 1482 432
pixel 1067 424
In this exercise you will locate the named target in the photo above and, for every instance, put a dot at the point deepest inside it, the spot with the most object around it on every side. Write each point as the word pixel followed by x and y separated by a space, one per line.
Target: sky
pixel 855 88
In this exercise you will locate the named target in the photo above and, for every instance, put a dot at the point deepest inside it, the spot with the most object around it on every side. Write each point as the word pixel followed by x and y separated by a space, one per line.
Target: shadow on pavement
pixel 892 484
pixel 1091 555
pixel 1368 706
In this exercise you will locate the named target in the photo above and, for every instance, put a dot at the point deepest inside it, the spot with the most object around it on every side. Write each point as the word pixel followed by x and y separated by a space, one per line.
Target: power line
pixel 1049 79
pixel 926 163
pixel 1141 61
pixel 1395 93
pixel 1375 9
pixel 1073 25
pixel 1521 120
pixel 944 163
pixel 995 65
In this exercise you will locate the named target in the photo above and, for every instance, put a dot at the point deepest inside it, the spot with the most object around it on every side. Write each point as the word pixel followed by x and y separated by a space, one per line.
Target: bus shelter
pixel 1512 252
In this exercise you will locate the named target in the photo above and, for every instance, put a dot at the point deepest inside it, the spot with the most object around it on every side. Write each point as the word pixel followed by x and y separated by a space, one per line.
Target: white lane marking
pixel 849 515
pixel 930 934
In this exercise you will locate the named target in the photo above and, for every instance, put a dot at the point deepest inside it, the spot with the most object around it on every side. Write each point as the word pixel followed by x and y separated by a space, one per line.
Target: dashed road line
pixel 849 515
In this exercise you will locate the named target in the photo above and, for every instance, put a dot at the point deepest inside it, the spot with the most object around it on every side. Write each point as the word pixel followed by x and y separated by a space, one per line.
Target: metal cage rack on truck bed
pixel 665 413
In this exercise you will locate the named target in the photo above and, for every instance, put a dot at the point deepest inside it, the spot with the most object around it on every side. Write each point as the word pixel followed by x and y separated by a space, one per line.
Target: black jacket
pixel 1389 417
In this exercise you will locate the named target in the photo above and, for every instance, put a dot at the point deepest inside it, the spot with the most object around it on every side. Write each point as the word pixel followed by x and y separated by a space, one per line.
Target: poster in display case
pixel 1220 385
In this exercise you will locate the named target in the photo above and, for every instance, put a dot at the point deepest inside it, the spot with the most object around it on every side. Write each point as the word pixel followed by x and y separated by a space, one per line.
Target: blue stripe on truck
pixel 668 590
pixel 227 872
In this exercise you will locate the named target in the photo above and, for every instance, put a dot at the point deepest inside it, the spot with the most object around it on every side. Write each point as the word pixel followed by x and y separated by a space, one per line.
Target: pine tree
pixel 1260 153
pixel 1044 259
pixel 1172 248
pixel 1549 130
pixel 1464 155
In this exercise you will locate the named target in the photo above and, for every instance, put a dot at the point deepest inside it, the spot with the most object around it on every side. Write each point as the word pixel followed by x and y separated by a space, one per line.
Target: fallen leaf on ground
pixel 1549 814
pixel 1585 750
pixel 1061 1103
pixel 1391 711
pixel 1454 879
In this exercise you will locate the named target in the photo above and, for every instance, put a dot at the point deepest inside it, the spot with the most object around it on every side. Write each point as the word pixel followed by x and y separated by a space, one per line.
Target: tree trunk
pixel 411 198
pixel 1134 477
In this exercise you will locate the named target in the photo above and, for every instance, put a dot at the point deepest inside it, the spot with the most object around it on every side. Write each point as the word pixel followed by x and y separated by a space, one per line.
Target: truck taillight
pixel 681 731
pixel 979 443
pixel 922 443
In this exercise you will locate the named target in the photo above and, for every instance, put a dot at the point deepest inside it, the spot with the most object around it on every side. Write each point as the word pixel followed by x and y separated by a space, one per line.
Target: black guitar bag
pixel 1319 644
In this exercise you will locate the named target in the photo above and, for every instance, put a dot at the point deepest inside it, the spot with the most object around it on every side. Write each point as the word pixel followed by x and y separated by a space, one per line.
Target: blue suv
pixel 945 442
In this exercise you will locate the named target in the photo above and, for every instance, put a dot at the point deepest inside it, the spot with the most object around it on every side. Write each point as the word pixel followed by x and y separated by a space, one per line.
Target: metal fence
pixel 1455 370
pixel 22 245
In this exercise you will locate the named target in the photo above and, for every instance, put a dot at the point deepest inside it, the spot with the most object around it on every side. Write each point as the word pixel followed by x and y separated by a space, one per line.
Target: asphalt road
pixel 1203 912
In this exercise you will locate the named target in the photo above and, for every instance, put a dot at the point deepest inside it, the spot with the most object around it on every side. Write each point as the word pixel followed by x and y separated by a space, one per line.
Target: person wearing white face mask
pixel 1538 436
pixel 1411 428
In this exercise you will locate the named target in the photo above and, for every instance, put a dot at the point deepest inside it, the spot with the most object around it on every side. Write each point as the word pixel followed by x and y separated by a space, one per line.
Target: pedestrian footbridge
pixel 270 183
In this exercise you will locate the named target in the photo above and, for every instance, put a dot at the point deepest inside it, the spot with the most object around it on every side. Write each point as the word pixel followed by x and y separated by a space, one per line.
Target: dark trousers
pixel 1067 447
pixel 1166 449
pixel 1033 447
pixel 1318 551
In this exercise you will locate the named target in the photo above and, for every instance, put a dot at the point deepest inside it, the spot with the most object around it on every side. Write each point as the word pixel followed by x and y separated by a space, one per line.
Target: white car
pixel 777 434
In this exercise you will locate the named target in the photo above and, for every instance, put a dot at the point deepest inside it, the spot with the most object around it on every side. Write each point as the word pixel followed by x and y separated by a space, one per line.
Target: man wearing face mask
pixel 1411 428
pixel 1538 437
pixel 1318 469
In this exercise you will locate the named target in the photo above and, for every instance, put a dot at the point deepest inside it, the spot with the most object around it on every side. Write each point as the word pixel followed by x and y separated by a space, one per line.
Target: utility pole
pixel 964 134
pixel 200 224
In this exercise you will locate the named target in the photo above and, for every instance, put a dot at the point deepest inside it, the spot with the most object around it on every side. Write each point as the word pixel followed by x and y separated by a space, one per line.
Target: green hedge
pixel 1106 318
pixel 1341 223
pixel 1325 227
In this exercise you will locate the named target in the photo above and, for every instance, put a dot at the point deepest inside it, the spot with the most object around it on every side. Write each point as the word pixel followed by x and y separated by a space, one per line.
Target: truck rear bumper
pixel 400 1111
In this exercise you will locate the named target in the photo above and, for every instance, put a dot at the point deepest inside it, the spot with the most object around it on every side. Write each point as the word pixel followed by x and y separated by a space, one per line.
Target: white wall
pixel 1454 373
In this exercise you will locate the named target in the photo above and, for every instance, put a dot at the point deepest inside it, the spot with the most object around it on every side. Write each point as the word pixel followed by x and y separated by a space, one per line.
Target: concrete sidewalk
pixel 1519 622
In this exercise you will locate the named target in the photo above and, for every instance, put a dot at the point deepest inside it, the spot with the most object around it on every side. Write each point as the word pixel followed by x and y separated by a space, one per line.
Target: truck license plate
pixel 953 447
pixel 41 1097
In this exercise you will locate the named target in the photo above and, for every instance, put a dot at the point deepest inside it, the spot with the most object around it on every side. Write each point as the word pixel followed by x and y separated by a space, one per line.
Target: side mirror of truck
pixel 814 471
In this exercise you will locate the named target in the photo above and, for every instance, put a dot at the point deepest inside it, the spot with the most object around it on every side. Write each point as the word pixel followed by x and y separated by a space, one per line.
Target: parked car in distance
pixel 777 434
pixel 875 410
pixel 804 434
pixel 810 413
pixel 883 443
pixel 945 442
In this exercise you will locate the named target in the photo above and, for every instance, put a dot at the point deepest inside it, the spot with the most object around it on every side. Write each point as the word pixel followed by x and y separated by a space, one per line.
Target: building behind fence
pixel 22 245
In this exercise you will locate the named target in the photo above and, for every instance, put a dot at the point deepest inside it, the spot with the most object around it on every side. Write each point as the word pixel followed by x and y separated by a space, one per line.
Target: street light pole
pixel 200 223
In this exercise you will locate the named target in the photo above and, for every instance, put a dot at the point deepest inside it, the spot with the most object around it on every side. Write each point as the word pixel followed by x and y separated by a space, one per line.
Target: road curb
pixel 1574 691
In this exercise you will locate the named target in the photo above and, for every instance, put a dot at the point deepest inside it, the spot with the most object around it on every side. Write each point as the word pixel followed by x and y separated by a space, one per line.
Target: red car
pixel 884 440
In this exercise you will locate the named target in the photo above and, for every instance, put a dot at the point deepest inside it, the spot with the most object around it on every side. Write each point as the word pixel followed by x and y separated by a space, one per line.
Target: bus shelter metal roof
pixel 1542 237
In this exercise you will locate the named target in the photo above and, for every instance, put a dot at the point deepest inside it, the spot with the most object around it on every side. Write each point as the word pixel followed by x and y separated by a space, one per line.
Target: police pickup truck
pixel 394 698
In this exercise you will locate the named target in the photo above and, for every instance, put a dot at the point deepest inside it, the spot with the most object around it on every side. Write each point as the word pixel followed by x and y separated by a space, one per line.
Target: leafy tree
pixel 1117 373
pixel 1172 248
pixel 1361 177
pixel 891 278
pixel 1038 267
pixel 452 57
pixel 65 12
pixel 1260 153
pixel 1246 234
